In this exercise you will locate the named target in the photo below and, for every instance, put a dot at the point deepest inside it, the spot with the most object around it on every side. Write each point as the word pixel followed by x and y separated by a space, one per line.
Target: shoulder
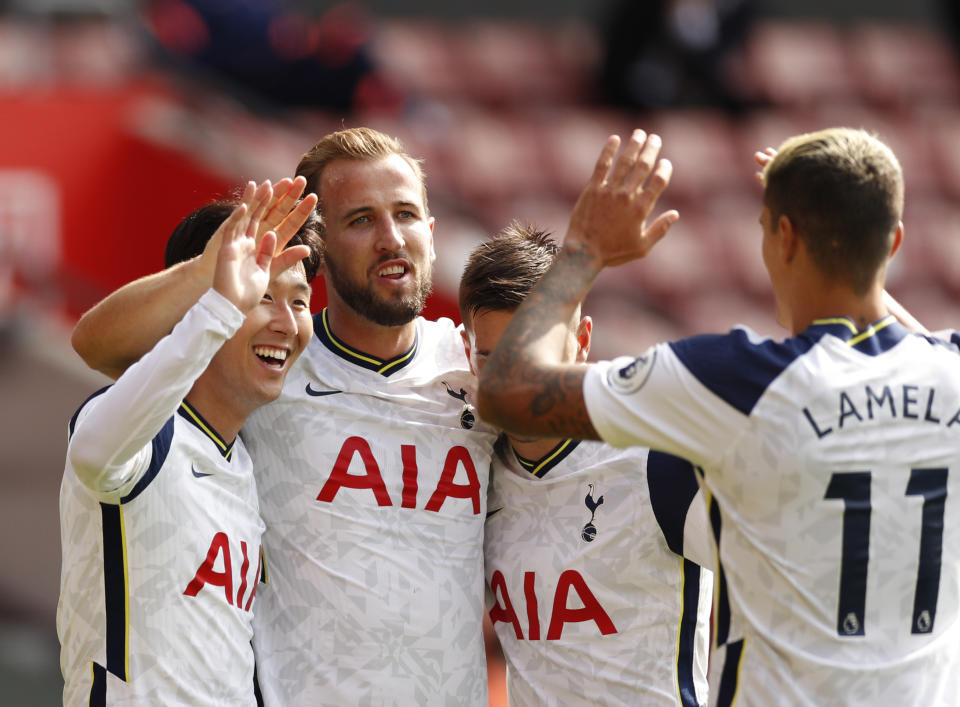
pixel 85 405
pixel 738 366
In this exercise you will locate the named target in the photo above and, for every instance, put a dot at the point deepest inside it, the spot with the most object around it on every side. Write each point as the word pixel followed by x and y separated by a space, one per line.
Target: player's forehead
pixel 487 325
pixel 348 184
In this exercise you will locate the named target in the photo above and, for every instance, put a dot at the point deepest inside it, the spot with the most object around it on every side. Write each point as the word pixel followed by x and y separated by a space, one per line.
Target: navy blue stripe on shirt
pixel 114 589
pixel 385 367
pixel 737 366
pixel 721 611
pixel 672 485
pixel 730 677
pixel 688 634
pixel 73 420
pixel 160 448
pixel 98 686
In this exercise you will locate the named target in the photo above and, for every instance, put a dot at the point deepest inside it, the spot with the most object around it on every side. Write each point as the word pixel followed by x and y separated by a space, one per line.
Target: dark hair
pixel 190 237
pixel 842 190
pixel 501 272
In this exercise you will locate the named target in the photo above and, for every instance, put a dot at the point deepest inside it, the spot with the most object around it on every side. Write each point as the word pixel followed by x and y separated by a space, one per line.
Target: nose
pixel 389 237
pixel 282 319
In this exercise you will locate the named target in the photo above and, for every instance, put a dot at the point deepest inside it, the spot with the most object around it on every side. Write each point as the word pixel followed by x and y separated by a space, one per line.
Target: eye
pixel 266 297
pixel 359 220
pixel 300 303
pixel 406 214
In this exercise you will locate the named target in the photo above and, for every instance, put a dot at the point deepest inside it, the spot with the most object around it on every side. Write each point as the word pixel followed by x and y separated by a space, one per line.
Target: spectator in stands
pixel 272 52
pixel 663 53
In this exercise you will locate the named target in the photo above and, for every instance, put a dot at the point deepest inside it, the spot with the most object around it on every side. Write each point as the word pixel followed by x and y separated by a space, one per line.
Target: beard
pixel 361 298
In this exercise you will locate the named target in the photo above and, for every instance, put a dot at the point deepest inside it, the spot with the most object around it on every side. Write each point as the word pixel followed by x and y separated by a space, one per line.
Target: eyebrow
pixel 361 209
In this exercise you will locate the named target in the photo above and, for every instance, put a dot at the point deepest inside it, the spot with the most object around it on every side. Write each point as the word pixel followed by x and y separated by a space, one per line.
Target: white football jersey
pixel 373 481
pixel 832 459
pixel 161 542
pixel 587 592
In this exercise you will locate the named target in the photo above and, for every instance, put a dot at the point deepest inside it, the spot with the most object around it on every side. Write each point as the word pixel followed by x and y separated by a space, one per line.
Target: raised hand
pixel 763 158
pixel 609 219
pixel 279 213
pixel 285 215
pixel 242 270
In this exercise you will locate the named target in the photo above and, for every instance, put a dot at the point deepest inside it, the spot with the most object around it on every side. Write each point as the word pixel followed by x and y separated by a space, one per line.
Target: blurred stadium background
pixel 117 118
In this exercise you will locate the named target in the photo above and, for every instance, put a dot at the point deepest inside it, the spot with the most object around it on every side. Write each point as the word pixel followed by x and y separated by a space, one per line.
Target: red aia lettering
pixel 562 614
pixel 372 479
pixel 206 574
pixel 446 488
pixel 591 611
pixel 340 477
pixel 504 613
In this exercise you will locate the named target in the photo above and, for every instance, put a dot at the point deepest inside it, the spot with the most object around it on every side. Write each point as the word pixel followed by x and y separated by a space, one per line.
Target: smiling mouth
pixel 271 355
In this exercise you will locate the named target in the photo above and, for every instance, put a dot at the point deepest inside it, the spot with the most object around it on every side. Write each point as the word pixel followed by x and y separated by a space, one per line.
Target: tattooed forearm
pixel 533 390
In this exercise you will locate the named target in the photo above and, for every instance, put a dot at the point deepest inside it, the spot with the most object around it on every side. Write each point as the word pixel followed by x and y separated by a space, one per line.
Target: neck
pixel 822 300
pixel 365 336
pixel 224 415
pixel 533 448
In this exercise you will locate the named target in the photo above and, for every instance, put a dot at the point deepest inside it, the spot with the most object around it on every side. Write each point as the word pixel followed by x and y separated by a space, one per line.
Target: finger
pixel 657 183
pixel 232 225
pixel 658 229
pixel 288 258
pixel 265 250
pixel 285 195
pixel 763 158
pixel 248 192
pixel 628 158
pixel 602 168
pixel 295 220
pixel 258 208
pixel 644 162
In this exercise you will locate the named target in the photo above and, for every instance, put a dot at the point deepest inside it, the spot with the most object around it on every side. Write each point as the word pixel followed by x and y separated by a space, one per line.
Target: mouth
pixel 272 356
pixel 393 271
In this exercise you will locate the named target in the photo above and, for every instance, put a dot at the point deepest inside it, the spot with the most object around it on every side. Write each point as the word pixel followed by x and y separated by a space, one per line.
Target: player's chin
pixel 268 382
pixel 269 390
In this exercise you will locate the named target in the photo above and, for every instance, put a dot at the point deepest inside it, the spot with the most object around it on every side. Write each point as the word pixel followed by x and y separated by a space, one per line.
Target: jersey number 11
pixel 854 489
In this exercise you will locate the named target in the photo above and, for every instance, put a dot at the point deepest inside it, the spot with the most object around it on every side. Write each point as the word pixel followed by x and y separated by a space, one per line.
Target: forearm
pixel 525 386
pixel 125 325
pixel 118 424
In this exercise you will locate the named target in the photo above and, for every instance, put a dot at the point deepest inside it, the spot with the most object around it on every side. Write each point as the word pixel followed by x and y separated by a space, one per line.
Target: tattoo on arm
pixel 529 359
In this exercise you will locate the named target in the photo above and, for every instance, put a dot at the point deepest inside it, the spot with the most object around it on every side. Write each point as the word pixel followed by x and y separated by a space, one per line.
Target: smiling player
pixel 160 526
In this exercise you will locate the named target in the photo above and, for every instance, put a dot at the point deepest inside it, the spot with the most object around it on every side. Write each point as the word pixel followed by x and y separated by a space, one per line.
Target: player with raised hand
pixel 830 459
pixel 160 300
pixel 371 467
pixel 160 526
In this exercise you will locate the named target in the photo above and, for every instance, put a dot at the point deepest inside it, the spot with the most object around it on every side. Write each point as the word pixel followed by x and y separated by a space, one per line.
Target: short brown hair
pixel 354 144
pixel 842 190
pixel 501 272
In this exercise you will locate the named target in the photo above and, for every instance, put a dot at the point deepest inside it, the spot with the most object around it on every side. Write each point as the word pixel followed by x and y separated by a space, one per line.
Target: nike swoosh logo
pixel 493 512
pixel 318 393
pixel 196 473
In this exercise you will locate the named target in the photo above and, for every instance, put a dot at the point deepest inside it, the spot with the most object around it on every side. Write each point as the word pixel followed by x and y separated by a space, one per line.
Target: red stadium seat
pixel 704 153
pixel 799 63
pixel 897 64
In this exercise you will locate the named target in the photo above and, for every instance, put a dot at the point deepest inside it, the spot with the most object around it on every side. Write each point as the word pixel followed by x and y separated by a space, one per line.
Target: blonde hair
pixel 365 144
pixel 842 190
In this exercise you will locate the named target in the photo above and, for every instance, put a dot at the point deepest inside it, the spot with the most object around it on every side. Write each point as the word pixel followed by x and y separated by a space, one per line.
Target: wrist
pixel 198 272
pixel 581 258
